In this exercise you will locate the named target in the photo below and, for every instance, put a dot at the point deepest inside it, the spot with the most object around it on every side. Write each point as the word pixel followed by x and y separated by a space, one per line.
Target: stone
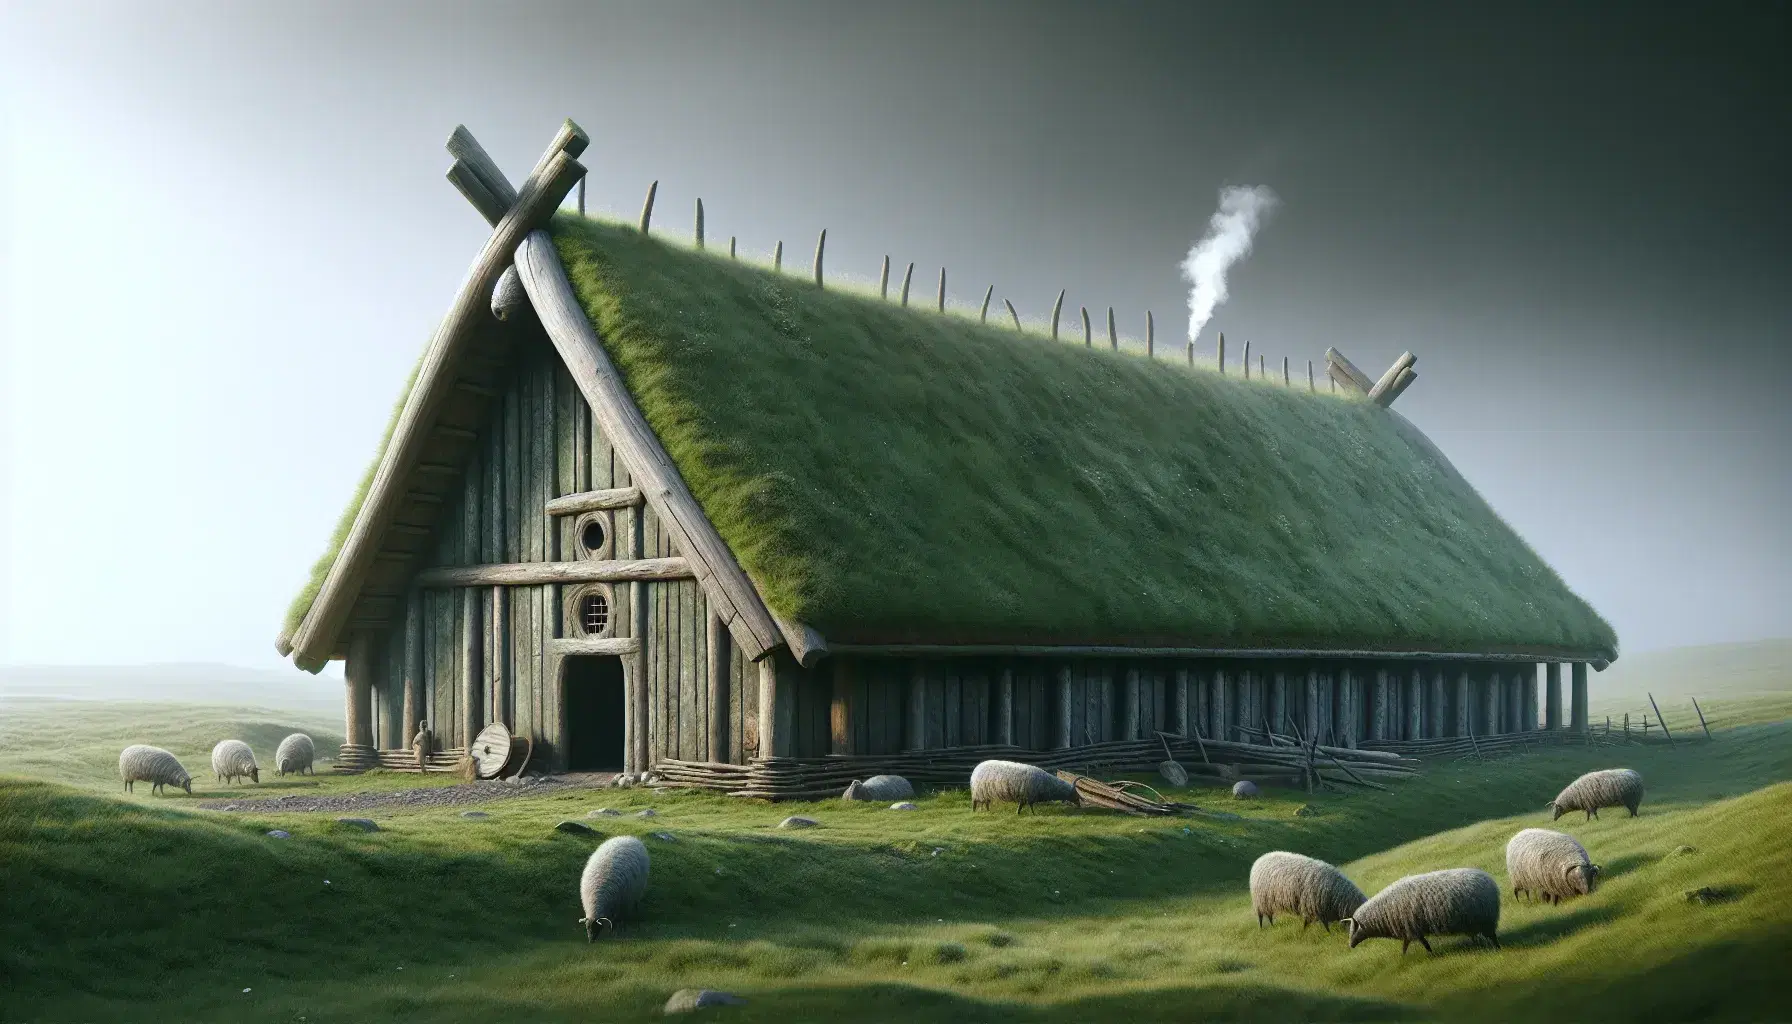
pixel 1683 850
pixel 1244 789
pixel 1173 773
pixel 903 805
pixel 798 821
pixel 577 828
pixel 686 1000
pixel 364 824
pixel 279 833
pixel 474 814
pixel 666 837
pixel 604 812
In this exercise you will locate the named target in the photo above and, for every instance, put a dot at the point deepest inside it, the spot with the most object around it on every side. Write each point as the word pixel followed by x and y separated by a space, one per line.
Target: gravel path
pixel 435 796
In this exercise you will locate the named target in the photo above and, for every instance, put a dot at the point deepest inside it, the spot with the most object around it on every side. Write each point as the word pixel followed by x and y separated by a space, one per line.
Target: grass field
pixel 143 908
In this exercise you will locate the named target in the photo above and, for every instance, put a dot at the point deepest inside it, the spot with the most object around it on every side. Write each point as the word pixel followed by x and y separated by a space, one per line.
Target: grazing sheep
pixel 1025 784
pixel 295 755
pixel 232 759
pixel 879 788
pixel 1296 884
pixel 1455 901
pixel 1549 864
pixel 614 880
pixel 141 763
pixel 1613 787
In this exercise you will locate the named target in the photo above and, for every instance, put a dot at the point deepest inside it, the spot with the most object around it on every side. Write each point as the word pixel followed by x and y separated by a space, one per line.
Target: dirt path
pixel 433 796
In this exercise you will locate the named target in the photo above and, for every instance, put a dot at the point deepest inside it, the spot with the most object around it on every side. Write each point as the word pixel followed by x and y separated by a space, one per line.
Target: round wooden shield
pixel 491 748
pixel 519 757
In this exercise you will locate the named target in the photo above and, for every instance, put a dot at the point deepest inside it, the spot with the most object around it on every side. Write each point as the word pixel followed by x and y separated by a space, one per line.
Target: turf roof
pixel 891 475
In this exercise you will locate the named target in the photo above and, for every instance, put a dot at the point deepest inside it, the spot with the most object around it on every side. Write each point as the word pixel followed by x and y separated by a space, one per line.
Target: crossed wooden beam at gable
pixel 1392 384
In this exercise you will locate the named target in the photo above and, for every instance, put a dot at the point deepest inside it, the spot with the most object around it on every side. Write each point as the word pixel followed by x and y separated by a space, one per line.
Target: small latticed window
pixel 594 614
pixel 592 535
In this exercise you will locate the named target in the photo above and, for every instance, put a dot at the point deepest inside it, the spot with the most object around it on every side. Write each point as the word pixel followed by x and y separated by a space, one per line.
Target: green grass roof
pixel 894 475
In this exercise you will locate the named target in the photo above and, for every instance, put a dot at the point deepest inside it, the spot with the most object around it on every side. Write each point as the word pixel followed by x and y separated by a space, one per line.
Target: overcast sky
pixel 225 236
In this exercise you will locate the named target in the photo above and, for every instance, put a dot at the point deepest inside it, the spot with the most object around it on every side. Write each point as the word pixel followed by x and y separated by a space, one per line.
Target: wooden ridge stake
pixel 1247 360
pixel 581 197
pixel 778 255
pixel 1311 387
pixel 983 317
pixel 883 281
pixel 1012 314
pixel 1088 336
pixel 1221 359
pixel 1113 337
pixel 699 223
pixel 1191 353
pixel 1057 307
pixel 647 207
pixel 942 301
pixel 1287 382
pixel 907 276
pixel 1150 336
pixel 731 247
pixel 1260 372
pixel 821 245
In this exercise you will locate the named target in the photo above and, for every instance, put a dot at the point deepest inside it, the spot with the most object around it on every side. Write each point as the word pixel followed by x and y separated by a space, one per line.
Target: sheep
pixel 613 882
pixel 1290 882
pixel 1025 784
pixel 232 759
pixel 1613 787
pixel 880 788
pixel 1550 865
pixel 1455 901
pixel 295 755
pixel 142 763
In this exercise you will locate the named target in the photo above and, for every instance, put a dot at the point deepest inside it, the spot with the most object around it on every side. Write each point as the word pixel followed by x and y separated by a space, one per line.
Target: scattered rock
pixel 665 837
pixel 903 806
pixel 1244 789
pixel 364 824
pixel 1305 811
pixel 474 814
pixel 1704 895
pixel 687 999
pixel 279 833
pixel 1683 850
pixel 647 812
pixel 577 828
pixel 604 812
pixel 798 821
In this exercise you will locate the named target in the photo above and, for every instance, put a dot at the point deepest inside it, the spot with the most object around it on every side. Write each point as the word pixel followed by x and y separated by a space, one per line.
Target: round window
pixel 594 614
pixel 591 535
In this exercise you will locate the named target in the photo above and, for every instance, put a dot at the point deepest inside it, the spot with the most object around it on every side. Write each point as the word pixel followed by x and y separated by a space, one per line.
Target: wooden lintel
pixel 1345 372
pixel 618 645
pixel 525 574
pixel 594 501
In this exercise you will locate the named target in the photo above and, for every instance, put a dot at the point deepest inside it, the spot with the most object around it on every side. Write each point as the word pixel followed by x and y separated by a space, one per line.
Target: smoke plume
pixel 1228 240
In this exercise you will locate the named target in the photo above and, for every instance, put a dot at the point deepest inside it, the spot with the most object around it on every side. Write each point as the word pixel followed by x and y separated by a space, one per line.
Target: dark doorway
pixel 594 709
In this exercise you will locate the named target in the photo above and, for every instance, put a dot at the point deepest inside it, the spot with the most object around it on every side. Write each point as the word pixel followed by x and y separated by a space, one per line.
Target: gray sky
pixel 227 236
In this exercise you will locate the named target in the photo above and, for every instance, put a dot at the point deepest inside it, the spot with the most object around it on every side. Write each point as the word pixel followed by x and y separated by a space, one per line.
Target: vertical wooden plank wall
pixel 1552 696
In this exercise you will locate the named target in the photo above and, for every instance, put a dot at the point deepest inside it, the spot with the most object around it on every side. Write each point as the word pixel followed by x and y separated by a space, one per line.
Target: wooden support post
pixel 1577 697
pixel 719 665
pixel 1218 703
pixel 941 305
pixel 1464 704
pixel 983 314
pixel 1180 717
pixel 1113 335
pixel 1660 720
pixel 1287 381
pixel 1278 700
pixel 914 726
pixel 1130 724
pixel 1004 706
pixel 470 662
pixel 1310 722
pixel 699 223
pixel 772 742
pixel 1490 699
pixel 1088 335
pixel 1061 703
pixel 638 739
pixel 883 280
pixel 1436 705
pixel 1151 336
pixel 908 278
pixel 415 707
pixel 499 658
pixel 357 681
pixel 1261 375
pixel 731 241
pixel 1191 353
pixel 581 206
pixel 647 207
pixel 841 709
pixel 821 247
pixel 1378 706
pixel 1057 309
pixel 1552 696
pixel 1353 707
pixel 1311 387
pixel 1527 682
pixel 1415 704
pixel 1220 353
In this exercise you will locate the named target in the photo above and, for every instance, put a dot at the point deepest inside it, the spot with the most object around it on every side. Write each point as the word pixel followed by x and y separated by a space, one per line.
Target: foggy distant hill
pixel 186 684
pixel 1754 668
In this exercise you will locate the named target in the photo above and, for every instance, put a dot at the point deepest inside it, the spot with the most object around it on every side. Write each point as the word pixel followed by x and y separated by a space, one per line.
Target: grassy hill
pixel 285 690
pixel 121 909
pixel 1735 684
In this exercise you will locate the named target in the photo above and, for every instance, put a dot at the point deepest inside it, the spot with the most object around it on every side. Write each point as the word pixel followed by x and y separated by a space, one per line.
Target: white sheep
pixel 1296 884
pixel 1455 901
pixel 614 880
pixel 142 763
pixel 879 788
pixel 232 760
pixel 1025 784
pixel 1550 865
pixel 295 755
pixel 1613 787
